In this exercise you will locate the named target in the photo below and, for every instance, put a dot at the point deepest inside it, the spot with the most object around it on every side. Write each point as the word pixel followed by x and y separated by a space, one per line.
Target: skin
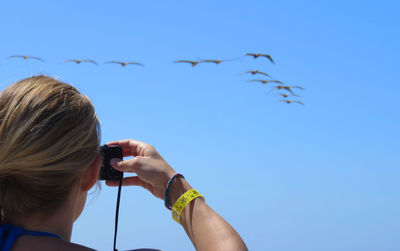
pixel 61 221
pixel 206 229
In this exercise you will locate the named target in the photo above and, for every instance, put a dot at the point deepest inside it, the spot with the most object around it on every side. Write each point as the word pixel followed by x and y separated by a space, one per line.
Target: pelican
pixel 291 101
pixel 266 81
pixel 256 55
pixel 287 95
pixel 25 57
pixel 124 63
pixel 193 63
pixel 216 61
pixel 288 88
pixel 212 61
pixel 78 61
pixel 258 72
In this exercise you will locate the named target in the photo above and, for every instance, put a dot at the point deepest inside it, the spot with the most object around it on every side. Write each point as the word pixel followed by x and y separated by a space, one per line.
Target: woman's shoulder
pixel 55 244
pixel 82 248
pixel 77 247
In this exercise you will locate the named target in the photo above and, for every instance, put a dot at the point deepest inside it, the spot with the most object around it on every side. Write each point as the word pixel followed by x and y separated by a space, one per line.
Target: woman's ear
pixel 91 175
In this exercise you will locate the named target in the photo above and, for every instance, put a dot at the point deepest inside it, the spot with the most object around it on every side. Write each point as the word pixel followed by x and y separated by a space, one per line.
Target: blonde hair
pixel 49 134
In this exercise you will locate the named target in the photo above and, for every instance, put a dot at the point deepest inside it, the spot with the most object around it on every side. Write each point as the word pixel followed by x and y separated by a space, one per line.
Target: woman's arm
pixel 205 228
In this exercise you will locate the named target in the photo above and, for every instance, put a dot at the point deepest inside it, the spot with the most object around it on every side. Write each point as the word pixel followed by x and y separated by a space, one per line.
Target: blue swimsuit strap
pixel 9 233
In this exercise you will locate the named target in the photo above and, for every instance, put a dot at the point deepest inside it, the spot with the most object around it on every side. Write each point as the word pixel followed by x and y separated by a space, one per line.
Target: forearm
pixel 205 228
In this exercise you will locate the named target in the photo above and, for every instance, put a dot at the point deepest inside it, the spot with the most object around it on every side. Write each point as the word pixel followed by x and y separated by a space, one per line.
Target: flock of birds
pixel 280 85
pixel 78 61
pixel 286 97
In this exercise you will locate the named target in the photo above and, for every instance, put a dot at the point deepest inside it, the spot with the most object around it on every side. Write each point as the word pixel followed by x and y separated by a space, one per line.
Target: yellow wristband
pixel 181 203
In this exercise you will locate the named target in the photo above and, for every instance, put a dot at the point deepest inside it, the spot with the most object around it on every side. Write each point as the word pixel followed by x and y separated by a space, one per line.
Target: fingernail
pixel 114 162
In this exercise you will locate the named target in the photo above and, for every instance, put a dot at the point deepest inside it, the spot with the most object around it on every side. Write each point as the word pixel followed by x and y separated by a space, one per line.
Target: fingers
pixel 129 181
pixel 131 147
pixel 130 165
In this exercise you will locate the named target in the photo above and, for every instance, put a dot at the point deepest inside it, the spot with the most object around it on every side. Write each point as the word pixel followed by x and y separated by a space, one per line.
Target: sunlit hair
pixel 49 134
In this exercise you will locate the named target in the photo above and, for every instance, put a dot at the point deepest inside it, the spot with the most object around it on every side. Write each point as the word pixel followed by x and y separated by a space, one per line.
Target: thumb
pixel 130 165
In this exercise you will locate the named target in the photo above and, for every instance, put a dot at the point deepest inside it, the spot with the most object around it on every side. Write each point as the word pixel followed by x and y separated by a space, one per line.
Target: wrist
pixel 184 204
pixel 167 200
pixel 178 187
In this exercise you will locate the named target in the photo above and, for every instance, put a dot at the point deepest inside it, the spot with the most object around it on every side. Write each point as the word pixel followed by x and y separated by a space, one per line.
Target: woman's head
pixel 49 135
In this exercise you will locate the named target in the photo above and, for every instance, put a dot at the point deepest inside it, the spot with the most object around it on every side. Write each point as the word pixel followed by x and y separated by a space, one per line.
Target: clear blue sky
pixel 323 176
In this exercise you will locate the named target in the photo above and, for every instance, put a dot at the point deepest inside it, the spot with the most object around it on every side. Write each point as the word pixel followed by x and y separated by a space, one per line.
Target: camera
pixel 107 172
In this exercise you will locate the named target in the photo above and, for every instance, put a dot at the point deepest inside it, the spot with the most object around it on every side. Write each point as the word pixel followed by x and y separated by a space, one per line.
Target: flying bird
pixel 266 81
pixel 193 63
pixel 25 57
pixel 258 72
pixel 291 101
pixel 287 95
pixel 124 63
pixel 287 88
pixel 78 61
pixel 216 61
pixel 256 55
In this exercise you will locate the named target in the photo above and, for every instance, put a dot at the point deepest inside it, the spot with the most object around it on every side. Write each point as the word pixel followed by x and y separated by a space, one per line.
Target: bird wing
pixel 296 101
pixel 269 57
pixel 263 73
pixel 136 63
pixel 288 89
pixel 71 60
pixel 90 61
pixel 285 100
pixel 256 80
pixel 252 72
pixel 37 58
pixel 113 62
pixel 227 60
pixel 298 87
pixel 184 61
pixel 16 56
pixel 250 54
pixel 209 61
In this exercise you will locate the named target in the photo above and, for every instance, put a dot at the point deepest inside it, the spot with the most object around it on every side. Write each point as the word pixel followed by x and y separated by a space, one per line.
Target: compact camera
pixel 107 172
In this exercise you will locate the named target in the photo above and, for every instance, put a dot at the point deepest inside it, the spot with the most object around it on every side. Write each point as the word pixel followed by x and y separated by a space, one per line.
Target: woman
pixel 49 160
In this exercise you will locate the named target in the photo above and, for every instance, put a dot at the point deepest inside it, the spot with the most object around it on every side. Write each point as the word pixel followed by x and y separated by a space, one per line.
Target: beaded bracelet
pixel 166 197
pixel 182 202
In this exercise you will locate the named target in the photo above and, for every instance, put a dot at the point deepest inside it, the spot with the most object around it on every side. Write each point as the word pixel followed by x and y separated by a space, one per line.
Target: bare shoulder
pixel 39 243
pixel 77 247
pixel 35 243
pixel 68 246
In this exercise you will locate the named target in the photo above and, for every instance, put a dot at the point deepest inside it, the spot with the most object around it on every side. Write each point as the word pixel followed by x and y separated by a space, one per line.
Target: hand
pixel 152 171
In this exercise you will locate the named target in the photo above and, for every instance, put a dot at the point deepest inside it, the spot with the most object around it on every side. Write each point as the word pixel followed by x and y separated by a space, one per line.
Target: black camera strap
pixel 116 214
